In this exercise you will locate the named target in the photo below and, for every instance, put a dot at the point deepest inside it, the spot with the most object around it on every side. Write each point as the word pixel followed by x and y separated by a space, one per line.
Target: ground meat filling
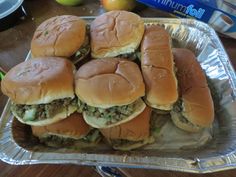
pixel 112 114
pixel 178 108
pixel 131 56
pixel 122 142
pixel 56 141
pixel 160 111
pixel 41 111
pixel 93 136
pixel 83 50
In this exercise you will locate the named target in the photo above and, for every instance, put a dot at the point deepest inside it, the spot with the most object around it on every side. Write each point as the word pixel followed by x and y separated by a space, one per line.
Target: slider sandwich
pixel 109 91
pixel 68 132
pixel 61 36
pixel 194 109
pixel 41 90
pixel 132 134
pixel 158 69
pixel 116 34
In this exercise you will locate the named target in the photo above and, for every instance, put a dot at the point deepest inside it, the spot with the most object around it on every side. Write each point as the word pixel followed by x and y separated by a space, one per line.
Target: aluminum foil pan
pixel 211 150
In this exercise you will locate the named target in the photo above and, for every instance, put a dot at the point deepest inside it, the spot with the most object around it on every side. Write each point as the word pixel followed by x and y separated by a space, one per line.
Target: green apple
pixel 118 4
pixel 70 2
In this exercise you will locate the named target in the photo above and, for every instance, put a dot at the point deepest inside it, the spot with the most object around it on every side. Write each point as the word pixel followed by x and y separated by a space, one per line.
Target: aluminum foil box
pixel 220 14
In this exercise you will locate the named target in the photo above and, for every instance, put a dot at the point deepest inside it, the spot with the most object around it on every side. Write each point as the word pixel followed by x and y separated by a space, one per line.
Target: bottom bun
pixel 129 145
pixel 103 122
pixel 73 127
pixel 184 124
pixel 59 116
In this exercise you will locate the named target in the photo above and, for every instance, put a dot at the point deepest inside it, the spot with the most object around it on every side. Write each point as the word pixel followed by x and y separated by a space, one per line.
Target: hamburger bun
pixel 196 101
pixel 158 68
pixel 136 130
pixel 73 126
pixel 59 36
pixel 115 33
pixel 109 82
pixel 39 81
pixel 35 84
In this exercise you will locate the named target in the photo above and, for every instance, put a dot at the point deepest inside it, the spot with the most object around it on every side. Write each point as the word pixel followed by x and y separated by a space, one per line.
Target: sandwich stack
pixel 130 71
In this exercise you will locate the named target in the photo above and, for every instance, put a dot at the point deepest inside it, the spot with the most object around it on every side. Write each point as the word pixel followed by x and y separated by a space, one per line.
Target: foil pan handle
pixel 109 171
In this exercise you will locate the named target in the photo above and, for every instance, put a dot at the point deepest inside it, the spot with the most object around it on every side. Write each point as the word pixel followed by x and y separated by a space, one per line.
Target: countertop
pixel 14 46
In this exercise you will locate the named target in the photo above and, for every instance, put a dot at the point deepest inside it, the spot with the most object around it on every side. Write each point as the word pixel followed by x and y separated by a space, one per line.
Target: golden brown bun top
pixel 116 32
pixel 193 88
pixel 189 71
pixel 136 129
pixel 158 67
pixel 109 82
pixel 58 36
pixel 39 80
pixel 73 126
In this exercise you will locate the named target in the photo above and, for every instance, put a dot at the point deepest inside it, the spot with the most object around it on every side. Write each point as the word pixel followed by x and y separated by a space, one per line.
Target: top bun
pixel 116 32
pixel 198 106
pixel 158 68
pixel 73 126
pixel 39 81
pixel 135 130
pixel 109 82
pixel 59 36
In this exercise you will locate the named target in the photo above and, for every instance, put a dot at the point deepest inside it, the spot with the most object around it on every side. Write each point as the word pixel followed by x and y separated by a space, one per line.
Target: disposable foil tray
pixel 217 153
